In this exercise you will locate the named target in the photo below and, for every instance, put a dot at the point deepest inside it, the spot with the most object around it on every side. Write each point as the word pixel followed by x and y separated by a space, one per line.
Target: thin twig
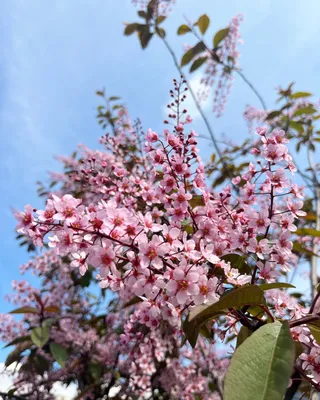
pixel 193 95
pixel 255 91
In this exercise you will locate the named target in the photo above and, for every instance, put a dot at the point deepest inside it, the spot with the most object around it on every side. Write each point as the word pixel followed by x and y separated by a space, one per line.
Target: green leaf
pixel 85 280
pixel 40 363
pixel 276 285
pixel 305 110
pixel 196 201
pixel 113 98
pixel 315 330
pixel 298 349
pixel 298 248
pixel 219 36
pixel 130 29
pixel 238 262
pixel 142 14
pixel 160 19
pixel 245 295
pixel 191 53
pixel 299 95
pixel 53 309
pixel 40 335
pixel 18 340
pixel 296 126
pixel 183 29
pixel 161 32
pixel 95 370
pixel 307 232
pixel 15 355
pixel 48 322
pixel 59 353
pixel 197 63
pixel 145 36
pixel 261 367
pixel 133 301
pixel 25 310
pixel 243 334
pixel 11 392
pixel 203 23
pixel 272 115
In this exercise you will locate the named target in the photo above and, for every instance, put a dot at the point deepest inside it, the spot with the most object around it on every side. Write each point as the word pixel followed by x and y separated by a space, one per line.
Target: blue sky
pixel 56 54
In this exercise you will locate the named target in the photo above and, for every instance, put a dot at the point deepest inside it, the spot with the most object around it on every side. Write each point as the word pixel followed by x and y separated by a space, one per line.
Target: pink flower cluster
pixel 162 235
pixel 163 7
pixel 218 71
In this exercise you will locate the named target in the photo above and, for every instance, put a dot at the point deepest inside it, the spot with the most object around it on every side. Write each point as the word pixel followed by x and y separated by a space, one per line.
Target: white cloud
pixel 189 104
pixel 61 392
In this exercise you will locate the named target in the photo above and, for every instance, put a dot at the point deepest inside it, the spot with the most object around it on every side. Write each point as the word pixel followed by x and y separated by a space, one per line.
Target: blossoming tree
pixel 180 257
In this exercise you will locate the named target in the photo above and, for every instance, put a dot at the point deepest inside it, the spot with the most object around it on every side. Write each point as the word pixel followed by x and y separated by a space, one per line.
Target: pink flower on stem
pixel 181 199
pixel 259 221
pixel 152 252
pixel 79 261
pixel 102 257
pixel 66 207
pixel 295 208
pixel 207 290
pixel 183 285
pixel 25 219
pixel 261 248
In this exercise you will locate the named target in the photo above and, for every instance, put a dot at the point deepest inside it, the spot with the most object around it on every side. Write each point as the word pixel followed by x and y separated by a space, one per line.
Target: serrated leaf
pixel 40 335
pixel 299 95
pixel 203 23
pixel 183 29
pixel 191 53
pixel 261 367
pixel 197 63
pixel 243 296
pixel 219 36
pixel 59 353
pixel 276 285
